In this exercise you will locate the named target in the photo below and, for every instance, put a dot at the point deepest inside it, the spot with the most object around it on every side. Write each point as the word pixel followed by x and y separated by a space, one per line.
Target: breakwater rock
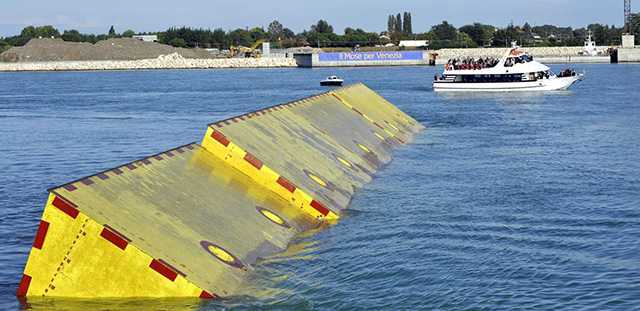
pixel 498 52
pixel 170 61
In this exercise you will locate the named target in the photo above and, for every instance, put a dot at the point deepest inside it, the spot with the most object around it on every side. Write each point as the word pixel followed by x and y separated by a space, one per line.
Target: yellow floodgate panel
pixel 322 145
pixel 189 222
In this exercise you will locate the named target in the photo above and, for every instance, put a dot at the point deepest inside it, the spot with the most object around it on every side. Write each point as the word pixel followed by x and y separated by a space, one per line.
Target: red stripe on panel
pixel 164 270
pixel 41 234
pixel 65 207
pixel 24 286
pixel 286 184
pixel 319 207
pixel 114 238
pixel 253 161
pixel 220 138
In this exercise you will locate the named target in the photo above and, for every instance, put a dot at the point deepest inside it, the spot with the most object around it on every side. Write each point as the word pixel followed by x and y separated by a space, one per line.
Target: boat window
pixel 508 62
pixel 488 78
pixel 526 58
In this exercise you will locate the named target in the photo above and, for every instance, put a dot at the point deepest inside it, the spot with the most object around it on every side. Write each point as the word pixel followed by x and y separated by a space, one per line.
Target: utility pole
pixel 627 13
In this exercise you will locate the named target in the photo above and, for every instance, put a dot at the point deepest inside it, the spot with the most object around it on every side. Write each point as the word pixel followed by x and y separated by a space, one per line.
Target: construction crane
pixel 627 14
pixel 248 52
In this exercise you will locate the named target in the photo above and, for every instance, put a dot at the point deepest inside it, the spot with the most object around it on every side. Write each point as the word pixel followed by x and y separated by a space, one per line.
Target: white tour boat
pixel 515 71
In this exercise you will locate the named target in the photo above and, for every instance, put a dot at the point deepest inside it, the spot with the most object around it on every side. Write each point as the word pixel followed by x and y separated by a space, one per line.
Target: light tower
pixel 627 12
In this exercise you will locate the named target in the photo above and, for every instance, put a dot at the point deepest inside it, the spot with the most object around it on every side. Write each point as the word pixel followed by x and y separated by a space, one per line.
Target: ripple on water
pixel 507 201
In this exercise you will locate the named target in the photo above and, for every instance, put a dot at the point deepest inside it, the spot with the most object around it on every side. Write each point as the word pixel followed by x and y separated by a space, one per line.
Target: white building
pixel 147 38
pixel 413 43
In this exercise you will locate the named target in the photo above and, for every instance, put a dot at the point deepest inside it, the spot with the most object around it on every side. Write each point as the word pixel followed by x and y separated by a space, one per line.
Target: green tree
pixel 527 29
pixel 322 27
pixel 406 24
pixel 258 33
pixel 72 35
pixel 28 32
pixel 112 32
pixel 275 29
pixel 391 24
pixel 464 41
pixel 128 33
pixel 601 34
pixel 504 37
pixel 4 46
pixel 444 31
pixel 177 42
pixel 218 38
pixel 47 31
pixel 239 37
pixel 477 33
pixel 398 23
pixel 288 33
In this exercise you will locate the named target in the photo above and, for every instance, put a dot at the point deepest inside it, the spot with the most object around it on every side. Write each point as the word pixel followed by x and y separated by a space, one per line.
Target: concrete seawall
pixel 577 59
pixel 171 61
pixel 548 55
pixel 628 55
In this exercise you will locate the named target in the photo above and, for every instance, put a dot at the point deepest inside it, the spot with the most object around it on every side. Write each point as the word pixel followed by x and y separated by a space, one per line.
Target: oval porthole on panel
pixel 393 126
pixel 273 217
pixel 341 160
pixel 379 136
pixel 316 178
pixel 221 254
pixel 367 150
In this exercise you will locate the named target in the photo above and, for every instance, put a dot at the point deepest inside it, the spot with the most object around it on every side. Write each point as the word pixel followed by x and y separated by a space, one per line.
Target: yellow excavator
pixel 248 52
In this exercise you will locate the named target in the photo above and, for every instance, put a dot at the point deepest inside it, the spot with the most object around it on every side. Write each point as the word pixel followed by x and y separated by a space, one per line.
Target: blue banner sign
pixel 369 56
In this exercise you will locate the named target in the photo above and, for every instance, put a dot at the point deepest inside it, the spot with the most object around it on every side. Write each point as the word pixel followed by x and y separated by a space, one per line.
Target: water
pixel 508 201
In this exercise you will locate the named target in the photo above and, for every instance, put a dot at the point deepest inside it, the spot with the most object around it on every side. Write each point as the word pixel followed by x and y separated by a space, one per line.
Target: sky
pixel 92 16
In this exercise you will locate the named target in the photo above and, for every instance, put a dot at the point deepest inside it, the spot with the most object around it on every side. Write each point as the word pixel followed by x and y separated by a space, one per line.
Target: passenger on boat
pixel 469 63
pixel 567 73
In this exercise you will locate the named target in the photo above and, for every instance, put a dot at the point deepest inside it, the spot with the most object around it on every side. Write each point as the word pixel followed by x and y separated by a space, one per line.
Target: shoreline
pixel 170 61
pixel 554 55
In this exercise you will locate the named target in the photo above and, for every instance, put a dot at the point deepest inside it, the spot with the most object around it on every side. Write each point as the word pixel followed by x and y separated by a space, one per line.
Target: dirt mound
pixel 202 53
pixel 304 49
pixel 37 50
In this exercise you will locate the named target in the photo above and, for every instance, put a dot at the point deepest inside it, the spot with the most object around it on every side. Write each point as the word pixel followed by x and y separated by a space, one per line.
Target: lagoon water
pixel 508 201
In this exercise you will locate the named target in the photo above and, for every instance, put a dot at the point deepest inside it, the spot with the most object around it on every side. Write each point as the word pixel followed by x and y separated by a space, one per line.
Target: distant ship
pixel 515 71
pixel 589 48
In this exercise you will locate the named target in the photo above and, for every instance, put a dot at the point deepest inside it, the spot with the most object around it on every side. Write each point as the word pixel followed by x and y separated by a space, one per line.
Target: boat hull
pixel 553 84
pixel 336 83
